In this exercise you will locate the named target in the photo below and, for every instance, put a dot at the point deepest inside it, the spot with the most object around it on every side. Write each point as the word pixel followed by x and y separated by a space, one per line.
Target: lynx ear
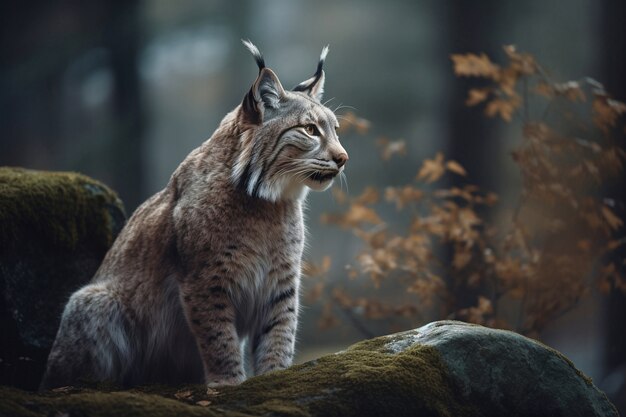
pixel 266 91
pixel 314 86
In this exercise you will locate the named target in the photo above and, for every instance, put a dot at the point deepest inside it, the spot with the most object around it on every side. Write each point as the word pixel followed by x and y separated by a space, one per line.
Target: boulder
pixel 442 369
pixel 55 228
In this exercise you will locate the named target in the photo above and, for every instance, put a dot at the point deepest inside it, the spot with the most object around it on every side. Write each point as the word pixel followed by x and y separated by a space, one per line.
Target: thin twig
pixel 526 105
pixel 357 323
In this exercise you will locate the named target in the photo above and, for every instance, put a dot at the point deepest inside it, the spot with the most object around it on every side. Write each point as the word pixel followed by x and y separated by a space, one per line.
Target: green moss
pixel 95 404
pixel 366 379
pixel 59 210
pixel 55 228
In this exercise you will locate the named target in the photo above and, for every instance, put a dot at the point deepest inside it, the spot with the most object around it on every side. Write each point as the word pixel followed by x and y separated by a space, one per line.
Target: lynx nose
pixel 341 159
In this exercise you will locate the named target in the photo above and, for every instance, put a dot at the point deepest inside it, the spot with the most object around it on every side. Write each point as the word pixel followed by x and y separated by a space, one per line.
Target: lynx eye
pixel 311 130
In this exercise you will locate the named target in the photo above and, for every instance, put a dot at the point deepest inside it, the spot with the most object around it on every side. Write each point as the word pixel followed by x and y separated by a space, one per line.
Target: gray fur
pixel 212 260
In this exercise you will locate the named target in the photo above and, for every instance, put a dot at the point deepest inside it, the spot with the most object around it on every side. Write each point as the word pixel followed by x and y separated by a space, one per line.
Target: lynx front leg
pixel 211 317
pixel 274 341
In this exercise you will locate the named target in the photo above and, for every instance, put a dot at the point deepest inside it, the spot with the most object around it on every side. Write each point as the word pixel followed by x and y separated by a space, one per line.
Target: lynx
pixel 212 263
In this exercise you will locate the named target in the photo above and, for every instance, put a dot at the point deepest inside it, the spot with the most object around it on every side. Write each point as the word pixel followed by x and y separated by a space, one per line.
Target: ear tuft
pixel 258 57
pixel 320 64
pixel 314 86
pixel 266 91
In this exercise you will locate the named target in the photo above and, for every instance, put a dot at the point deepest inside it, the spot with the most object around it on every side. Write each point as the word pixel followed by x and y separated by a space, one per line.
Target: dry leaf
pixel 571 90
pixel 311 269
pixel 432 169
pixel 353 218
pixel 352 272
pixel 64 390
pixel 455 167
pixel 472 65
pixel 368 196
pixel 315 293
pixel 474 280
pixel 522 63
pixel 561 233
pixel 461 259
pixel 403 196
pixel 391 148
pixel 339 195
pixel 203 403
pixel 544 89
pixel 503 107
pixel 350 120
pixel 361 214
pixel 614 244
pixel 183 395
pixel 484 305
pixel 606 111
pixel 476 96
pixel 610 217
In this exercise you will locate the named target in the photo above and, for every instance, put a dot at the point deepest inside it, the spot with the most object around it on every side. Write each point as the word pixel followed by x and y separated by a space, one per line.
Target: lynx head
pixel 289 142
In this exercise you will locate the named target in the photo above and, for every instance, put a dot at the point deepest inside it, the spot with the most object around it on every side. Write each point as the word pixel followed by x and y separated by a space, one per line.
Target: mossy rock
pixel 55 228
pixel 442 369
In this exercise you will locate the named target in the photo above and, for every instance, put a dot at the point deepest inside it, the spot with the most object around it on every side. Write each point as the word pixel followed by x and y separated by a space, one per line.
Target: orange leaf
pixel 544 89
pixel 570 90
pixel 606 112
pixel 504 108
pixel 476 96
pixel 368 196
pixel 614 244
pixel 402 196
pixel 461 259
pixel 610 217
pixel 432 169
pixel 339 195
pixel 183 395
pixel 455 167
pixel 359 213
pixel 350 120
pixel 472 65
pixel 391 148
pixel 484 305
pixel 521 63
pixel 355 215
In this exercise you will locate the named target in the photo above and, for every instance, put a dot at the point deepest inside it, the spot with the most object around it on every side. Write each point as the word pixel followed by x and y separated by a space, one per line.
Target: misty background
pixel 124 90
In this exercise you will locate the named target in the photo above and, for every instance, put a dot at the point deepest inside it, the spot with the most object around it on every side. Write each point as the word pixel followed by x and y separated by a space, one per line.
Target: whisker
pixel 341 181
pixel 344 177
pixel 328 101
pixel 342 106
pixel 288 171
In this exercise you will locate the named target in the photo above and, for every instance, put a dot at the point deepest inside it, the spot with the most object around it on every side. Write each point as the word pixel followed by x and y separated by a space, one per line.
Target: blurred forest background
pixel 124 90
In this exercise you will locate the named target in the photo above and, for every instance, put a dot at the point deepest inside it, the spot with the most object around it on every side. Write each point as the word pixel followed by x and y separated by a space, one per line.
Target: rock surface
pixel 442 369
pixel 55 228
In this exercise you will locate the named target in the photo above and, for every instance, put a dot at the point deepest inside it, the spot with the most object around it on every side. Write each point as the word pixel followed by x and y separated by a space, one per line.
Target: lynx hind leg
pixel 92 343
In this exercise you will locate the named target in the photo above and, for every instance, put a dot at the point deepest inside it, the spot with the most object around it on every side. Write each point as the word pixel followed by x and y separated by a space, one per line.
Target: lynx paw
pixel 218 381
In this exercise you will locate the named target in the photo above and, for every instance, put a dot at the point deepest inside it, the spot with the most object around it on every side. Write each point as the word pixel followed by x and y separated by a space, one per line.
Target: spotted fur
pixel 212 260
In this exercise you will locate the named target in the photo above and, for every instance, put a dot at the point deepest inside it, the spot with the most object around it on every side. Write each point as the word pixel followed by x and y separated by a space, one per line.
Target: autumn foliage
pixel 454 258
